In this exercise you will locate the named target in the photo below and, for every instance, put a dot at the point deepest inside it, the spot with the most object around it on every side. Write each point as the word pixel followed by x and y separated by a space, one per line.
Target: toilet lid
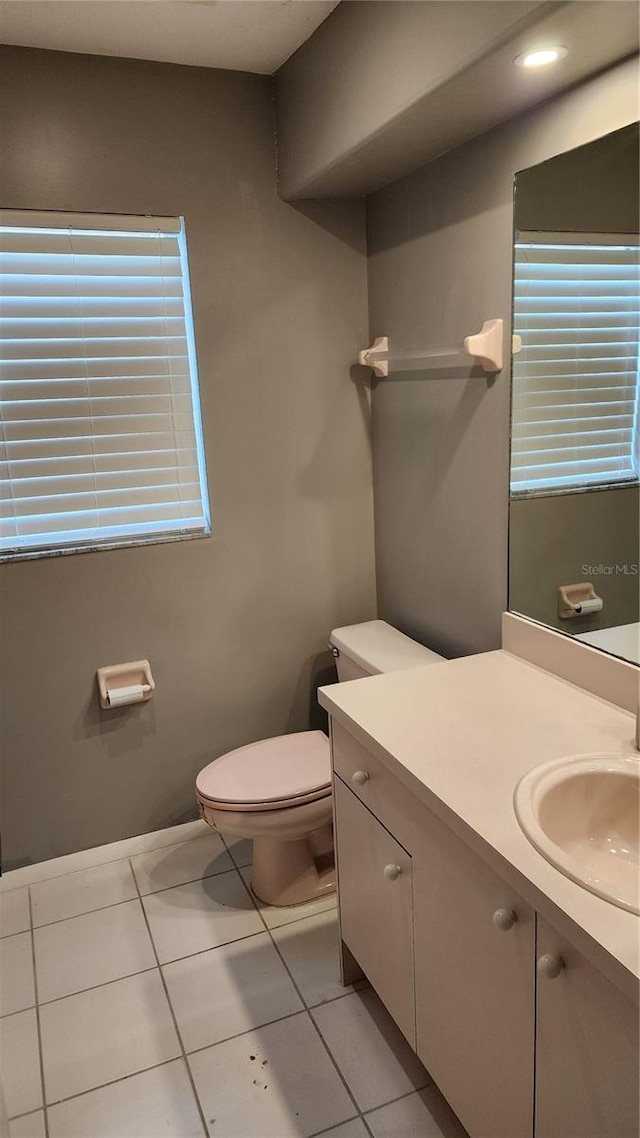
pixel 272 770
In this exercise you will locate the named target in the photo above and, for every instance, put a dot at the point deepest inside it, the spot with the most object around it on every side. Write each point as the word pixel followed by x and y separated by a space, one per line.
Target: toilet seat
pixel 272 774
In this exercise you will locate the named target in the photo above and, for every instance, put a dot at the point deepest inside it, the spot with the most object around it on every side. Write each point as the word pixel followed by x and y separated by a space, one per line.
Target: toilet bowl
pixel 277 791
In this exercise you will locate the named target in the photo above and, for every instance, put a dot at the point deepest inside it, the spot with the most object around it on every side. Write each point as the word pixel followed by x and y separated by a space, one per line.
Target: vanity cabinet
pixel 377 906
pixel 586 1048
pixel 475 988
pixel 489 996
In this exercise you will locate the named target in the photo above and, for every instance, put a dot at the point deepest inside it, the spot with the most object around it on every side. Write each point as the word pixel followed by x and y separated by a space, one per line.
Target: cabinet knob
pixel 550 966
pixel 360 777
pixel 504 919
pixel 392 872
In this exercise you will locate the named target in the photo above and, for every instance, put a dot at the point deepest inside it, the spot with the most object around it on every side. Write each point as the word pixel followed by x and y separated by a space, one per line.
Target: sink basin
pixel 582 814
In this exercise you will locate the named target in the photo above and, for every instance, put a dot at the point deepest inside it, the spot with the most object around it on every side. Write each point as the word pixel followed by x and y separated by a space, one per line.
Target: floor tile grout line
pixel 163 981
pixel 99 864
pixel 248 1031
pixel 110 1083
pixel 19 932
pixel 367 1127
pixel 336 1126
pixel 399 1098
pixel 14 888
pixel 316 1029
pixel 210 948
pixel 10 936
pixel 191 881
pixel 285 924
pixel 154 893
pixel 259 1026
pixel 228 847
pixel 167 964
pixel 43 1089
pixel 177 1058
pixel 86 913
pixel 208 1047
pixel 18 1012
pixel 125 900
pixel 305 1009
pixel 26 1114
pixel 94 987
pixel 254 900
pixel 309 1010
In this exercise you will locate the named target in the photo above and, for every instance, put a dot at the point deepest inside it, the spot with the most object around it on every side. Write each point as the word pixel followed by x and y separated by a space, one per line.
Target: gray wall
pixel 382 88
pixel 551 539
pixel 593 189
pixel 345 96
pixel 440 245
pixel 236 625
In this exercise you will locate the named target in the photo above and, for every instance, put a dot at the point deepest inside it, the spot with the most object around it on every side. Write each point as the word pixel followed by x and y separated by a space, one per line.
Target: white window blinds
pixel 100 432
pixel 575 382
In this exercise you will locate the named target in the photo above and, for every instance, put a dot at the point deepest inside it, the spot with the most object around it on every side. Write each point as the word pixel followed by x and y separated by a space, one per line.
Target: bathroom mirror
pixel 575 453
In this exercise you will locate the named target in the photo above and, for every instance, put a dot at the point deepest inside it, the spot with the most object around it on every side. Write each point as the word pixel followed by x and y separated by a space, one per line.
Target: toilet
pixel 277 791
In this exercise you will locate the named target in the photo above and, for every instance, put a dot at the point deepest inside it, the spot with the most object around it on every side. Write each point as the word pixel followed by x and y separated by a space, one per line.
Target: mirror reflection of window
pixel 574 519
pixel 575 382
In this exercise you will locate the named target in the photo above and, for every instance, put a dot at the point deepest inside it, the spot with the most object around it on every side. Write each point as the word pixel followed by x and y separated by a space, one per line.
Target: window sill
pixel 523 495
pixel 165 539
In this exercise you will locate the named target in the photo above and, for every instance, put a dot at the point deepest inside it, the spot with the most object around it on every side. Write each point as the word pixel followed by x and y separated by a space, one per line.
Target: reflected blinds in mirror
pixel 575 382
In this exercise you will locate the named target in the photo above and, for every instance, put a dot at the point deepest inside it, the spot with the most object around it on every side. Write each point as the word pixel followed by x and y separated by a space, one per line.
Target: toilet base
pixel 293 858
pixel 286 872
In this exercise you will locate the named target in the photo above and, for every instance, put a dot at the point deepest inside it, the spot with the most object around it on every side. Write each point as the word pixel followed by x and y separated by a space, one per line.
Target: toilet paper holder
pixel 120 685
pixel 578 600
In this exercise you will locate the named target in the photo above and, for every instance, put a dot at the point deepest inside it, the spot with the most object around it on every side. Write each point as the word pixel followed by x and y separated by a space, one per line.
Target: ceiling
pixel 237 35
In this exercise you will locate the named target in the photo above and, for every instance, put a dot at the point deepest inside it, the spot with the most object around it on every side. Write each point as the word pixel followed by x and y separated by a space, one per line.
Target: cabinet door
pixel 586 1049
pixel 374 881
pixel 474 975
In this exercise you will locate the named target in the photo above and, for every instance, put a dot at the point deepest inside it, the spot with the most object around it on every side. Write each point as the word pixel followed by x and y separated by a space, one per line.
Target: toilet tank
pixel 374 647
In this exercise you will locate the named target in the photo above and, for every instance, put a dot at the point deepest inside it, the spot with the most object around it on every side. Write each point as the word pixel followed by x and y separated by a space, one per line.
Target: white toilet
pixel 278 791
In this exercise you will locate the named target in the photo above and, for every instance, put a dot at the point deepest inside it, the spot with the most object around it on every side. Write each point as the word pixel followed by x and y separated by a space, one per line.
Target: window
pixel 101 439
pixel 575 382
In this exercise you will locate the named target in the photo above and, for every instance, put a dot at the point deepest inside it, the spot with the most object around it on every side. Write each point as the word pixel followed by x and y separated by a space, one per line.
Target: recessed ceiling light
pixel 541 57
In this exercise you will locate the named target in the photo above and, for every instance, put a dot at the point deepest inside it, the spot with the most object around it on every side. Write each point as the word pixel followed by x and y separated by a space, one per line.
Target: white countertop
pixel 461 734
pixel 623 640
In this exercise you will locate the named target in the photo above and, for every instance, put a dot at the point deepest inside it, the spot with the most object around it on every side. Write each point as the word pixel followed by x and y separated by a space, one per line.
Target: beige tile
pixel 175 865
pixel 21 1080
pixel 310 951
pixel 102 1035
pixel 229 990
pixel 241 850
pixel 276 1082
pixel 100 855
pixel 203 914
pixel 354 1129
pixel 274 917
pixel 76 893
pixel 425 1114
pixel 92 949
pixel 17 990
pixel 29 1126
pixel 371 1052
pixel 14 912
pixel 154 1103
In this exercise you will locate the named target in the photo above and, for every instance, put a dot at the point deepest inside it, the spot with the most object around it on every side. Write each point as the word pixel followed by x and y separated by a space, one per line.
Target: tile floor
pixel 144 993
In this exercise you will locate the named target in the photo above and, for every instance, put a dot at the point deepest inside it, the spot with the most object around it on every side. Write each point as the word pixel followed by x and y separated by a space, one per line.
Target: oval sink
pixel 582 814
